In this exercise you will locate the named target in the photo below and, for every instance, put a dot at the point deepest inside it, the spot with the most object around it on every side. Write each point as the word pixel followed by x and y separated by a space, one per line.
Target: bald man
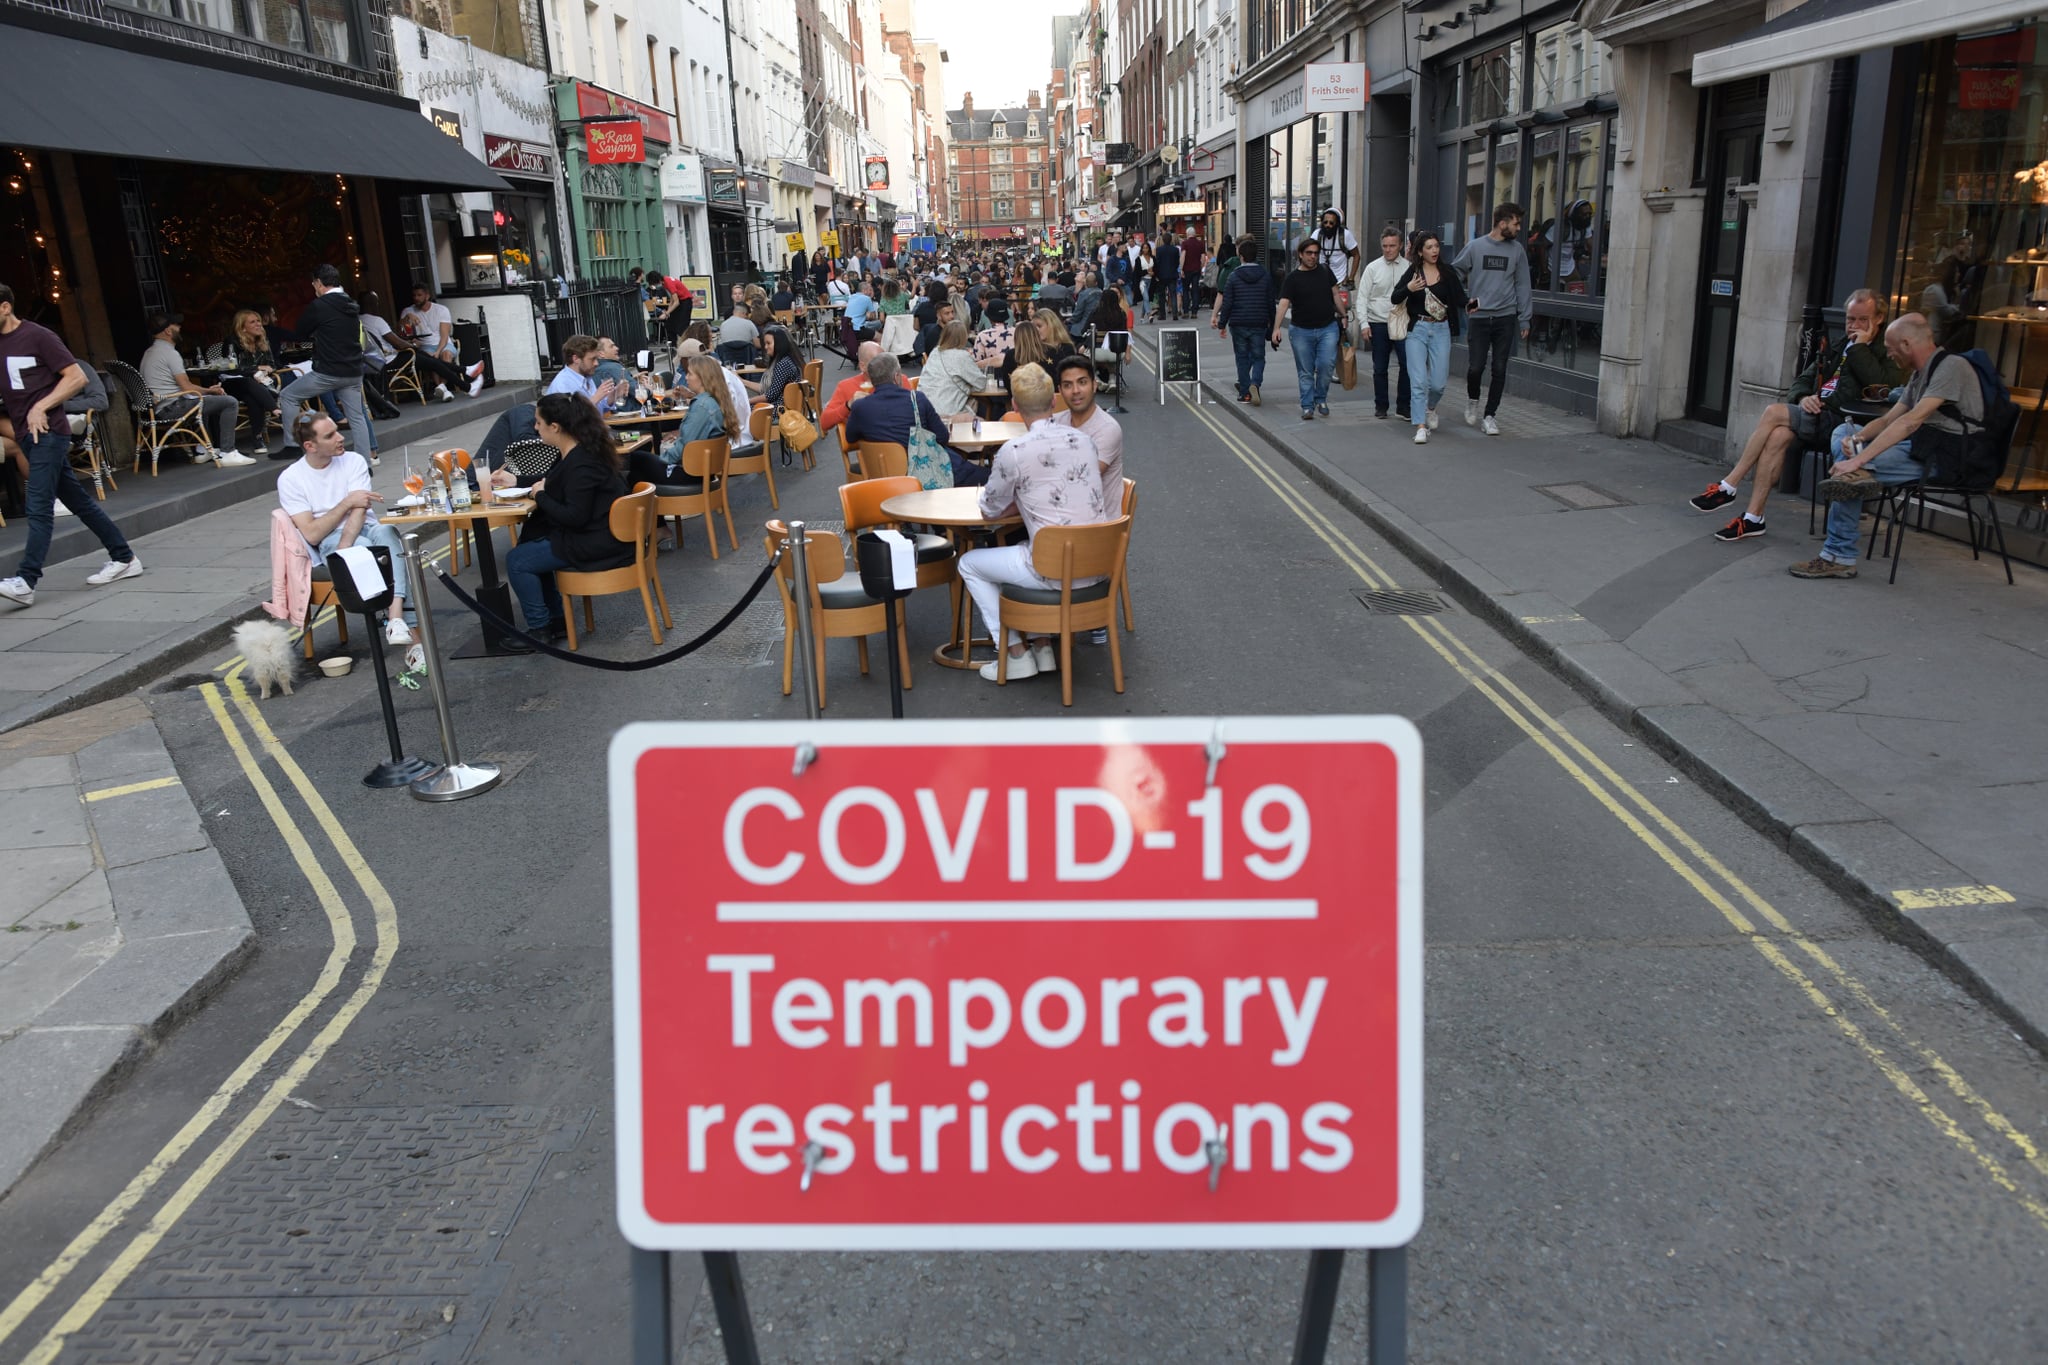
pixel 1939 397
pixel 850 387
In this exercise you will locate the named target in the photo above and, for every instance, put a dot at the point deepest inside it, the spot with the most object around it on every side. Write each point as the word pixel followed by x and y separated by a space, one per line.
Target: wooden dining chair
pixel 1012 415
pixel 459 540
pixel 1130 515
pixel 814 380
pixel 860 507
pixel 760 425
pixel 1062 554
pixel 700 492
pixel 883 460
pixel 632 520
pixel 840 608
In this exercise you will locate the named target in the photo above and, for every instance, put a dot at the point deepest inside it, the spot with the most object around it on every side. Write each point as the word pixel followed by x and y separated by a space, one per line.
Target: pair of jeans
pixel 376 533
pixel 1191 292
pixel 1384 349
pixel 1315 356
pixel 1429 367
pixel 1248 344
pixel 51 479
pixel 1892 466
pixel 1489 338
pixel 255 395
pixel 530 568
pixel 216 410
pixel 444 371
pixel 348 389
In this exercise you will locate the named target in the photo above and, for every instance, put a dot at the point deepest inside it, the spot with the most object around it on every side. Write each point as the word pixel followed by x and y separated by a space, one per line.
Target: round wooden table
pixel 992 435
pixel 958 511
pixel 491 590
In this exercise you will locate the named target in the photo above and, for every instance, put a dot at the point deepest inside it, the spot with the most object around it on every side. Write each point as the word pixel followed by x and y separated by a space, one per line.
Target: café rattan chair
pixel 156 425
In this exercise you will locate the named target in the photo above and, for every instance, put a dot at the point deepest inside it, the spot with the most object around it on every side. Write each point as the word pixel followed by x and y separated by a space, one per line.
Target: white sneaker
pixel 205 455
pixel 233 459
pixel 397 633
pixel 1471 412
pixel 476 385
pixel 1047 658
pixel 1422 436
pixel 1432 419
pixel 1489 426
pixel 18 590
pixel 1021 666
pixel 441 392
pixel 113 570
pixel 374 458
pixel 475 371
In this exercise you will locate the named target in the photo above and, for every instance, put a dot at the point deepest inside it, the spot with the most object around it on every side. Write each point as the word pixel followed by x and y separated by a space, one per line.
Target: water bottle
pixel 458 492
pixel 437 492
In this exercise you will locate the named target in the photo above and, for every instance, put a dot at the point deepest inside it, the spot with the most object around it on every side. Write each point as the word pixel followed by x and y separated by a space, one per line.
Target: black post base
pixel 401 773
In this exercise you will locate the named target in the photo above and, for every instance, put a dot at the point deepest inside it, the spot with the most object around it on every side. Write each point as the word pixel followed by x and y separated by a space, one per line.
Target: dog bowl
pixel 337 666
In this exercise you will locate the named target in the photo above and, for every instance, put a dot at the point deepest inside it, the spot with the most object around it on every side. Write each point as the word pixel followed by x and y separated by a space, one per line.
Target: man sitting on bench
pixel 1812 409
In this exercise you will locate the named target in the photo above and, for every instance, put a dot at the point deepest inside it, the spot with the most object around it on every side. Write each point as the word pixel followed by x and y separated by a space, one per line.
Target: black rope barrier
pixel 490 617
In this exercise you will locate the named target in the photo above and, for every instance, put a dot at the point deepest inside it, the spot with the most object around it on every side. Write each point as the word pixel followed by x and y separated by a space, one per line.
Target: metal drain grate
pixel 1395 602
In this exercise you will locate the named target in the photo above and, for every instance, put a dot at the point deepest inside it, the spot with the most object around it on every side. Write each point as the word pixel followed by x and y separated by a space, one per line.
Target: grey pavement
pixel 121 915
pixel 129 917
pixel 1883 732
pixel 80 644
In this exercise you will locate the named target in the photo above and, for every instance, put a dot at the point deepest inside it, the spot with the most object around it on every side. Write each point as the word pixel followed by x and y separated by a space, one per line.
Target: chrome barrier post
pixel 455 779
pixel 800 593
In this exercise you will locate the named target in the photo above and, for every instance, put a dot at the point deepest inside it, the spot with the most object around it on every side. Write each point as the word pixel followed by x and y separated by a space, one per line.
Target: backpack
pixel 1972 461
pixel 1223 273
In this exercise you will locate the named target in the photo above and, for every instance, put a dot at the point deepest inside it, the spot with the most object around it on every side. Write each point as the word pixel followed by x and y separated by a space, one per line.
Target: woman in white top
pixel 1369 307
pixel 1141 275
pixel 949 373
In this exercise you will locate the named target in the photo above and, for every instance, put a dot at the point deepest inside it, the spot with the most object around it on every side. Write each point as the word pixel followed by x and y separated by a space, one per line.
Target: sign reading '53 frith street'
pixel 1018 984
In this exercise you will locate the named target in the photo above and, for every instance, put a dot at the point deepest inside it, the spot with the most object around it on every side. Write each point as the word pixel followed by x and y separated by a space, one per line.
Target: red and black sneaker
pixel 1742 528
pixel 1713 500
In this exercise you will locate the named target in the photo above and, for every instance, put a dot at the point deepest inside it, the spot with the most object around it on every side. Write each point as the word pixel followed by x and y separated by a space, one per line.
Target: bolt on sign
pixel 1023 984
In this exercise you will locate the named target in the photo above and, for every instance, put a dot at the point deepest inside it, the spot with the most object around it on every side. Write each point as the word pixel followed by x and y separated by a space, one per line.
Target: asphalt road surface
pixel 1682 1102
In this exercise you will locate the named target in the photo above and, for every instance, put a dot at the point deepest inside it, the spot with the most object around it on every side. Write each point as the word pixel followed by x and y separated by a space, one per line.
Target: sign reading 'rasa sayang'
pixel 1024 984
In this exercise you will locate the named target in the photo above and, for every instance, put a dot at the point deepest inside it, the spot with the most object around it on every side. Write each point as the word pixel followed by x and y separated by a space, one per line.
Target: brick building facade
pixel 1000 169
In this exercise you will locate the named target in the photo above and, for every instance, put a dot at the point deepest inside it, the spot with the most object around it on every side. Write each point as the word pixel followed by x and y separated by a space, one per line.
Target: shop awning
pixel 150 106
pixel 1821 30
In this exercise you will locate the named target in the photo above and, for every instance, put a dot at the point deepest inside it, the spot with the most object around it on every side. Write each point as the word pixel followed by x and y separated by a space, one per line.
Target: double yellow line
pixel 1692 861
pixel 112 1222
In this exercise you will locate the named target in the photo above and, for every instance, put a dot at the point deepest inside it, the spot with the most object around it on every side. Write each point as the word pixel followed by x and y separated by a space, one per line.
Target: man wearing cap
pixel 163 371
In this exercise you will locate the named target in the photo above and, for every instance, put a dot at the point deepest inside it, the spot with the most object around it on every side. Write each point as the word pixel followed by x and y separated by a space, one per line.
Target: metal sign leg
pixel 1386 1274
pixel 729 1298
pixel 1318 1306
pixel 653 1342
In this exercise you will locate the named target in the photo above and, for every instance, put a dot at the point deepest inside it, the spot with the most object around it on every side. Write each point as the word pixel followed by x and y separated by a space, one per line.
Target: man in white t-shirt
pixel 327 494
pixel 430 329
pixel 1075 375
pixel 1339 248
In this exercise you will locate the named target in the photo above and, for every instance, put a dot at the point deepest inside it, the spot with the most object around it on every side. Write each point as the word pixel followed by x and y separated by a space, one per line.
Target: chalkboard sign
pixel 1177 361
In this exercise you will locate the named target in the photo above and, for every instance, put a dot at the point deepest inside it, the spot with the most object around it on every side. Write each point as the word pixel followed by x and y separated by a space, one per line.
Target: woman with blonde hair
pixel 709 416
pixel 949 373
pixel 249 382
pixel 1059 342
pixel 1028 348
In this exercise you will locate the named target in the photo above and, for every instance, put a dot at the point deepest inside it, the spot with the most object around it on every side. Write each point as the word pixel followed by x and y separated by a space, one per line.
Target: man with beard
pixel 1495 271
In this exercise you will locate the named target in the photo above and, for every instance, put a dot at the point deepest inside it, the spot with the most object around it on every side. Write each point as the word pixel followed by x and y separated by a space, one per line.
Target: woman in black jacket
pixel 1435 300
pixel 571 524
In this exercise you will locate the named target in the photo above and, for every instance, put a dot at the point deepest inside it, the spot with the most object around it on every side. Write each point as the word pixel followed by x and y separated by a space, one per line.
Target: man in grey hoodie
pixel 1495 269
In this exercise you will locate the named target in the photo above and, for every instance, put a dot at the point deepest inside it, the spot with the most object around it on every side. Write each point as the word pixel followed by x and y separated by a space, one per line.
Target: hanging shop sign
pixel 595 102
pixel 615 143
pixel 447 122
pixel 516 156
pixel 877 168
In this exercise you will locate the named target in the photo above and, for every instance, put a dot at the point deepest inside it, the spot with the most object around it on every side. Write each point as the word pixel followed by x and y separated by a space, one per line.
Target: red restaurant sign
pixel 610 143
pixel 592 102
pixel 1018 984
pixel 517 156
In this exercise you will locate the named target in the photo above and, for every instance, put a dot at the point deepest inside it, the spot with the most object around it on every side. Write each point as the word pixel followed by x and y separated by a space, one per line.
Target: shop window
pixel 1450 98
pixel 1973 249
pixel 1507 177
pixel 1493 84
pixel 1564 343
pixel 607 232
pixel 1580 235
pixel 1544 149
pixel 1475 193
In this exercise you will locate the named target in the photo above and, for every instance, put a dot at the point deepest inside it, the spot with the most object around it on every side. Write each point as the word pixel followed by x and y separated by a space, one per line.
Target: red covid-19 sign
pixel 1025 984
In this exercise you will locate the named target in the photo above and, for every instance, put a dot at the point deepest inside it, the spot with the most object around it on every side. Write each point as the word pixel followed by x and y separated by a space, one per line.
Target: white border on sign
pixel 1397 1229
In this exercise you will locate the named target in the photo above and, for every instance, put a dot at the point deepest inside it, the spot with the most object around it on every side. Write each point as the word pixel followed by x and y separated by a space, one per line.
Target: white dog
pixel 267 648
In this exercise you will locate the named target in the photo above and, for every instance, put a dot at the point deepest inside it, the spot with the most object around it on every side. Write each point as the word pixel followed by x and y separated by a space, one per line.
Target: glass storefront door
pixel 1735 152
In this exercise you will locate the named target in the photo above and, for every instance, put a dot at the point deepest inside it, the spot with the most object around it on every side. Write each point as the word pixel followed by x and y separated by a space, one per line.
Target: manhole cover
pixel 1581 497
pixel 1395 602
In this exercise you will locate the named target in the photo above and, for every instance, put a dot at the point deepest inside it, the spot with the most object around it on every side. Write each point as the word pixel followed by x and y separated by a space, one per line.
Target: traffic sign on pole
pixel 1018 985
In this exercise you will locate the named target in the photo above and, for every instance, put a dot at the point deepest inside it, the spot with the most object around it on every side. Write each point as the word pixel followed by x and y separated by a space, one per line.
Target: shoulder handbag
pixel 1397 322
pixel 929 463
